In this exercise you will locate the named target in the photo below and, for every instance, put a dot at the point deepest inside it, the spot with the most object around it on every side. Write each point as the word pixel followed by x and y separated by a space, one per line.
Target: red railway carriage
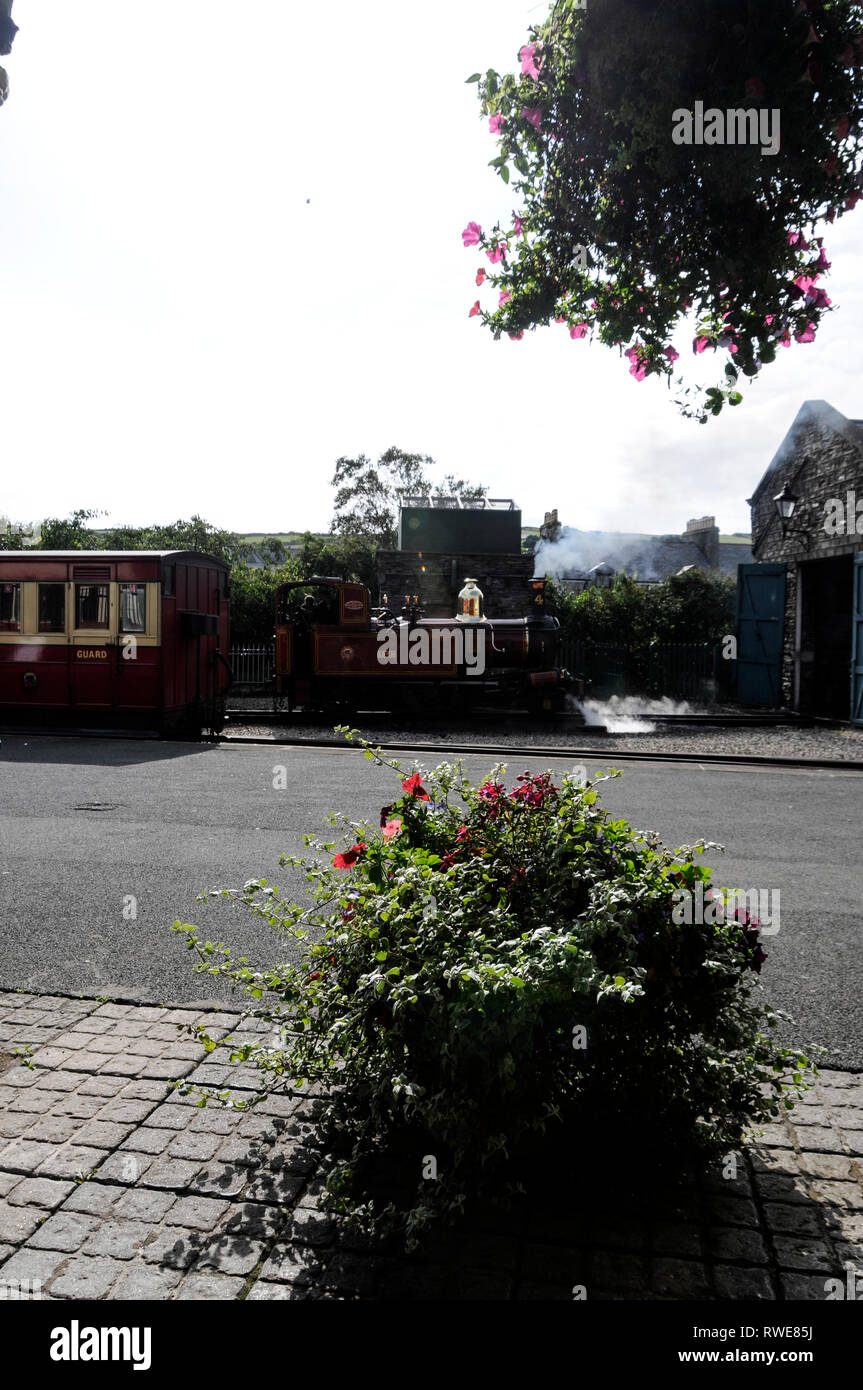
pixel 107 638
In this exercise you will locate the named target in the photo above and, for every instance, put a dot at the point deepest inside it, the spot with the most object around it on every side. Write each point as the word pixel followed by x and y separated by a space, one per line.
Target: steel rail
pixel 600 753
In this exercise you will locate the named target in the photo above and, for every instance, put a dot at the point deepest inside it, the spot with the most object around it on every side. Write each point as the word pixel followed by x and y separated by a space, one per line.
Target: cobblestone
pixel 85 1277
pixel 189 1203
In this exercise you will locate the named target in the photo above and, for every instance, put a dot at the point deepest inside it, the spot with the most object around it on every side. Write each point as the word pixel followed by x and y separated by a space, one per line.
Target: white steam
pixel 623 714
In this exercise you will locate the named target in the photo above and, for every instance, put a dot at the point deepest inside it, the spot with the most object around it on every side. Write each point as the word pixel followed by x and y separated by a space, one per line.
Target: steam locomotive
pixel 333 651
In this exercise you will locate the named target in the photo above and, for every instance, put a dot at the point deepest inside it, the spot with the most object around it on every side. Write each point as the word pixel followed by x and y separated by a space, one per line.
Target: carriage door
pixel 760 630
pixel 857 644
pixel 92 653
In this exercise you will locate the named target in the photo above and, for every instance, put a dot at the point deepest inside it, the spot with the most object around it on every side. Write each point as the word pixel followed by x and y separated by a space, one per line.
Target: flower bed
pixel 493 973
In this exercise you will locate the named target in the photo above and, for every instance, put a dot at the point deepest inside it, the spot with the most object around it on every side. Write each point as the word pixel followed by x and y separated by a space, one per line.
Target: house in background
pixel 578 559
pixel 800 606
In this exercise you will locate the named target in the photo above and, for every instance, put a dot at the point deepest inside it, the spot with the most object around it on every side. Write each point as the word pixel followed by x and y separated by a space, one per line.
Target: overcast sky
pixel 231 252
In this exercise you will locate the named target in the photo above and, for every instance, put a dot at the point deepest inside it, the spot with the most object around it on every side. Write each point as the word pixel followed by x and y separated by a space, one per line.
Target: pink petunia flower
pixel 805 282
pixel 529 66
pixel 517 224
pixel 504 296
pixel 533 115
pixel 671 353
pixel 517 337
pixel 392 828
pixel 580 330
pixel 471 234
pixel 474 309
pixel 699 344
pixel 495 124
pixel 497 252
pixel 819 299
pixel 480 275
pixel 807 336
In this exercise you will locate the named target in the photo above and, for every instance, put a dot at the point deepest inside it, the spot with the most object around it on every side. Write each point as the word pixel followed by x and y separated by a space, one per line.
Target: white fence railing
pixel 251 665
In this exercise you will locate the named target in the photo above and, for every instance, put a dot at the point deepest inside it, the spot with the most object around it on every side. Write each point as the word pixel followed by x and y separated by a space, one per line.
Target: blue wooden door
pixel 760 630
pixel 857 644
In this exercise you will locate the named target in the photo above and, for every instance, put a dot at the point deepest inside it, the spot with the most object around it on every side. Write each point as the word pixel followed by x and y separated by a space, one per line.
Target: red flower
pixel 349 857
pixel 474 310
pixel 463 833
pixel 480 275
pixel 414 785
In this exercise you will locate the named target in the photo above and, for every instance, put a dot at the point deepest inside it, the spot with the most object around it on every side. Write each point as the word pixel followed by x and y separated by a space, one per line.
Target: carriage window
pixel 133 608
pixel 91 606
pixel 10 607
pixel 52 607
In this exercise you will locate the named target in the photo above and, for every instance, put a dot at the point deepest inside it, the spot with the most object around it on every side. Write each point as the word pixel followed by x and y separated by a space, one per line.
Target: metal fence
pixel 683 671
pixel 252 666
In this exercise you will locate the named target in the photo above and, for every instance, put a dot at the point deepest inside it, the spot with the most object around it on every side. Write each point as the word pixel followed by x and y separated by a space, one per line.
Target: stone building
pixel 444 541
pixel 801 605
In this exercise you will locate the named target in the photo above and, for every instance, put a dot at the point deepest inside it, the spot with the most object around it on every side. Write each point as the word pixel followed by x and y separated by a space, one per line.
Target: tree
pixel 70 533
pixel 649 193
pixel 13 537
pixel 366 500
pixel 8 30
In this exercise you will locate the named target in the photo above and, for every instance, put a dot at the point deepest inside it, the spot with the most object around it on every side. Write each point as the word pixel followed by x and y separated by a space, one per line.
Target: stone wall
pixel 503 580
pixel 820 458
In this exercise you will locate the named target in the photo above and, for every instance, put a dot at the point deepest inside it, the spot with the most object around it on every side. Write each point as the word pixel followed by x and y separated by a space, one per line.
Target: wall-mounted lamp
pixel 786 503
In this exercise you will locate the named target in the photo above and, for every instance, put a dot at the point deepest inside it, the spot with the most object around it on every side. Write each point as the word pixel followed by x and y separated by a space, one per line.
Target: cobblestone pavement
pixel 114 1186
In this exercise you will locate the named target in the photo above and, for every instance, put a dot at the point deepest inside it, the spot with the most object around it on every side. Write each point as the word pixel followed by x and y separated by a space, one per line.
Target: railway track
pixel 595 753
pixel 410 741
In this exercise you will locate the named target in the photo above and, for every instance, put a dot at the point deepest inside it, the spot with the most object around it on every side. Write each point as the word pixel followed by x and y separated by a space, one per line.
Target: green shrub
pixel 491 974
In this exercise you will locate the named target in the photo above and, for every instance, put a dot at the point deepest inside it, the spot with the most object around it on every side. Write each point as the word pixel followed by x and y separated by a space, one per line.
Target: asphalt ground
pixel 88 824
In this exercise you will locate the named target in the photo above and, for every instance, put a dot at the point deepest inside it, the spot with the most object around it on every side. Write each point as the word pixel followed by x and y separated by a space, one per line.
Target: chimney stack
pixel 705 533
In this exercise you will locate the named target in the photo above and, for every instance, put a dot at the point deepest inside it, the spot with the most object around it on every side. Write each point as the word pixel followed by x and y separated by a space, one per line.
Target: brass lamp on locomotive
pixel 334 650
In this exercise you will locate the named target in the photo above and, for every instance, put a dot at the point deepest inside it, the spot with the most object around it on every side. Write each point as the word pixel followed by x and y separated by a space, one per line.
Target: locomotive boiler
pixel 333 651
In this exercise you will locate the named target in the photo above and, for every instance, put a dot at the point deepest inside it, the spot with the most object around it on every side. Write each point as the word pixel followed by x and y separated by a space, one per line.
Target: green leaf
pixel 735 398
pixel 504 173
pixel 474 77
